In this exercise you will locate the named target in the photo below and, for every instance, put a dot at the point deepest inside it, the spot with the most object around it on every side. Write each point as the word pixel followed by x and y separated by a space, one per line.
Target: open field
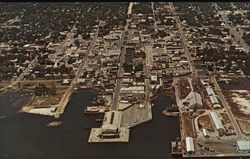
pixel 227 121
pixel 4 84
pixel 240 106
pixel 46 100
pixel 31 84
pixel 236 84
pixel 187 125
pixel 205 123
pixel 207 103
pixel 244 125
pixel 184 88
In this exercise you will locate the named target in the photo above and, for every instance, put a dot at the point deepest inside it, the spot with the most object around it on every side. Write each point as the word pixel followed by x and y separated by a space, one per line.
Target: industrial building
pixel 212 96
pixel 135 92
pixel 217 122
pixel 215 102
pixel 194 100
pixel 210 91
pixel 243 146
pixel 205 132
pixel 216 106
pixel 190 145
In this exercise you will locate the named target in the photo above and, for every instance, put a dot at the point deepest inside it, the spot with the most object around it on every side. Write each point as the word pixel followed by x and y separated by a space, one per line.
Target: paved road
pixel 65 98
pixel 116 93
pixel 226 106
pixel 62 46
pixel 130 8
pixel 149 63
pixel 152 7
pixel 186 50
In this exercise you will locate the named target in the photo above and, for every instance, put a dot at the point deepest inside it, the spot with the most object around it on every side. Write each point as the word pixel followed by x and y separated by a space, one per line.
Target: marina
pixel 18 126
pixel 158 80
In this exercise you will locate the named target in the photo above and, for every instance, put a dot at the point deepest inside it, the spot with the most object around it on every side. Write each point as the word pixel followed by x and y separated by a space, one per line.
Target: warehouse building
pixel 217 122
pixel 190 145
pixel 215 102
pixel 210 91
pixel 194 100
pixel 243 146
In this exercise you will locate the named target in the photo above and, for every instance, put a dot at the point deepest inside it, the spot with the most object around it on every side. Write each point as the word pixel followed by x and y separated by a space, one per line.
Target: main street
pixel 153 10
pixel 116 93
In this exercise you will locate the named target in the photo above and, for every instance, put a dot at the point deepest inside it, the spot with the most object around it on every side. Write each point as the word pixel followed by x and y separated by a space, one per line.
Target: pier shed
pixel 190 145
pixel 243 146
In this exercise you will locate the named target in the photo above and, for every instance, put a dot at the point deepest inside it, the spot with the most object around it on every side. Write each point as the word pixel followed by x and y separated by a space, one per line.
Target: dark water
pixel 25 136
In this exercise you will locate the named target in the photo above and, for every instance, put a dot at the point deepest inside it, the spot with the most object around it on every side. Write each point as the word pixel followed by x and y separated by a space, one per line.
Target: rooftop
pixel 243 145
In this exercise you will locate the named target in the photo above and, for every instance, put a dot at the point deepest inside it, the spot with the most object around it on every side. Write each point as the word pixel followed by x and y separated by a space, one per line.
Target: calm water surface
pixel 26 136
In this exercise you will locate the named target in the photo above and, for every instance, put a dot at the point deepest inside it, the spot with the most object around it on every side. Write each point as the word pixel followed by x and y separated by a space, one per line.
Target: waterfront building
pixel 243 146
pixel 190 145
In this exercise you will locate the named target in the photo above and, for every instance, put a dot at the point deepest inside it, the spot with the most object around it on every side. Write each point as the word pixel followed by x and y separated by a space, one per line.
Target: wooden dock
pixel 170 113
pixel 96 110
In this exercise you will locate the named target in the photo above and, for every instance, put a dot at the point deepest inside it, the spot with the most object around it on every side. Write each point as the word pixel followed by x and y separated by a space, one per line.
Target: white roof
pixel 66 81
pixel 189 144
pixel 194 98
pixel 109 127
pixel 214 100
pixel 217 122
pixel 133 88
pixel 243 145
pixel 81 80
pixel 205 132
pixel 210 91
pixel 216 106
pixel 153 78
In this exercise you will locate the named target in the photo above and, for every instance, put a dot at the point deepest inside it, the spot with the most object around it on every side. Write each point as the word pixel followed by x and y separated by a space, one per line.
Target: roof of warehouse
pixel 243 145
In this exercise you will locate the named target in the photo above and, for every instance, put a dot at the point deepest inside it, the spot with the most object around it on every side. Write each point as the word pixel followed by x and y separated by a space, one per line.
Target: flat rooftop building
pixel 243 146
